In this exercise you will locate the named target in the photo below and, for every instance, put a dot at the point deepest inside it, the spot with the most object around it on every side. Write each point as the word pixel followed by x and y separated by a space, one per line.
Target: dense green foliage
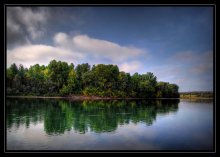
pixel 61 79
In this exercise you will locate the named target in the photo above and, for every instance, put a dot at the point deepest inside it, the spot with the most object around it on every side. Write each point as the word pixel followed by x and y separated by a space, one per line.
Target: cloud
pixel 25 24
pixel 202 68
pixel 15 33
pixel 130 67
pixel 196 63
pixel 40 54
pixel 192 57
pixel 97 48
pixel 61 39
pixel 190 70
pixel 34 21
pixel 187 56
pixel 77 49
pixel 105 48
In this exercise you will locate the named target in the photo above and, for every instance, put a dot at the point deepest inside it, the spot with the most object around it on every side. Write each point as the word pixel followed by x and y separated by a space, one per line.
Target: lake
pixel 61 124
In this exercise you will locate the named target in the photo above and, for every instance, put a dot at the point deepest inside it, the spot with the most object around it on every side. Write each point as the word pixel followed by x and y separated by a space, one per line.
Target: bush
pixel 65 90
pixel 90 91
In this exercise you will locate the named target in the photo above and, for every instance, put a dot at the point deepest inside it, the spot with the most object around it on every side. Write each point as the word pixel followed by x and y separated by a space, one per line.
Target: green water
pixel 56 124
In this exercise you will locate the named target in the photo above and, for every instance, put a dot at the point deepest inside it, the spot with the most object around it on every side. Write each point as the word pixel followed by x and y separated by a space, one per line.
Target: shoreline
pixel 70 97
pixel 91 97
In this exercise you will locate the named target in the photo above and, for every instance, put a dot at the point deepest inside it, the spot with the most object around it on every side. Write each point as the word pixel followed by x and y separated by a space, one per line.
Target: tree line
pixel 59 78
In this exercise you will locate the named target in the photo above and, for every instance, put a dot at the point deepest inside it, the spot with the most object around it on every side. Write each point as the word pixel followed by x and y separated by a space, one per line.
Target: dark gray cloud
pixel 25 24
pixel 28 24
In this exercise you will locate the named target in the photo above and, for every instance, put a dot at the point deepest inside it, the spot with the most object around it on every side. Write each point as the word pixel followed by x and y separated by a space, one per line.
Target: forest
pixel 59 78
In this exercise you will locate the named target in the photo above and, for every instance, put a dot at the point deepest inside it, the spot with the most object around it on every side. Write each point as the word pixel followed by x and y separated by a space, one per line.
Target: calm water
pixel 53 124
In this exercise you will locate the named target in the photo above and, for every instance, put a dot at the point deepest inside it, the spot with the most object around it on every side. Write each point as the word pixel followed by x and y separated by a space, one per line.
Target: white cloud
pixel 106 49
pixel 97 48
pixel 130 67
pixel 78 49
pixel 41 54
pixel 61 39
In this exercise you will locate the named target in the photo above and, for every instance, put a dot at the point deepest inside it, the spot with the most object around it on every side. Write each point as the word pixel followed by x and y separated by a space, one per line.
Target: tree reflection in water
pixel 99 116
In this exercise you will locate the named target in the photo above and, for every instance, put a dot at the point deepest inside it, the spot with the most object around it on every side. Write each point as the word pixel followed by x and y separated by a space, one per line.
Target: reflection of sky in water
pixel 188 128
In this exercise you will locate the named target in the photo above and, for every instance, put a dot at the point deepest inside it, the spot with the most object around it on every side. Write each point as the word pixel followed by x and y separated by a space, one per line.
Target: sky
pixel 173 42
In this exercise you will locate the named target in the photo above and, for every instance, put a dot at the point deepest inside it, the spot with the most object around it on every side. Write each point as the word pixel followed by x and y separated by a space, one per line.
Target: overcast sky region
pixel 173 42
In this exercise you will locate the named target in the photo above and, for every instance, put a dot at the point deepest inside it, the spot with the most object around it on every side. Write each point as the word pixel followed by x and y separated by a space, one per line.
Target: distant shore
pixel 196 95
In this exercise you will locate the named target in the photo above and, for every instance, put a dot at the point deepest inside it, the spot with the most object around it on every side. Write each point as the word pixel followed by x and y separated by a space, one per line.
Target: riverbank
pixel 74 97
pixel 81 97
pixel 196 95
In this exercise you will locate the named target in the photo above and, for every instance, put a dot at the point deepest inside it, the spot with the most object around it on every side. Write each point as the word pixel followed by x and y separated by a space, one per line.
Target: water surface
pixel 56 124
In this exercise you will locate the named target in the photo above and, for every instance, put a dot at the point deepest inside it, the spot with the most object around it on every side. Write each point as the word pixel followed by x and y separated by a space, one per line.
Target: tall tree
pixel 80 70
